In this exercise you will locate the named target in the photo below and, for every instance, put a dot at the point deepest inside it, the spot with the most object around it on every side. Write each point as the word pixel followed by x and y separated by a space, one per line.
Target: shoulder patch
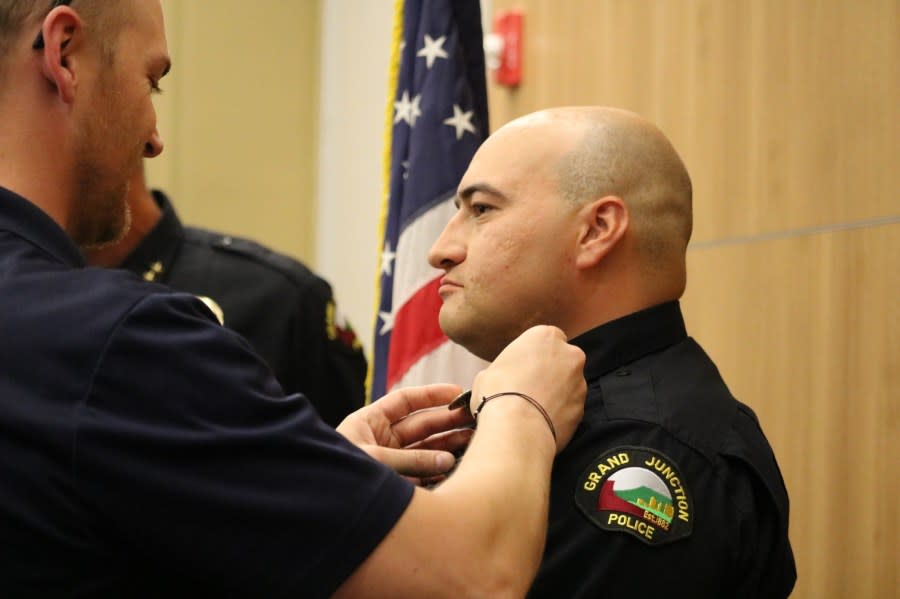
pixel 338 328
pixel 638 491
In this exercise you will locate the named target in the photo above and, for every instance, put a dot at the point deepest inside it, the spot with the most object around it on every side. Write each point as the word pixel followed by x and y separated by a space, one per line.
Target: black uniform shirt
pixel 669 487
pixel 285 311
pixel 147 451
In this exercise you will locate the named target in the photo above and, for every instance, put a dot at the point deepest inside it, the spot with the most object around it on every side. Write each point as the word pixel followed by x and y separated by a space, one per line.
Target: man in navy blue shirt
pixel 145 450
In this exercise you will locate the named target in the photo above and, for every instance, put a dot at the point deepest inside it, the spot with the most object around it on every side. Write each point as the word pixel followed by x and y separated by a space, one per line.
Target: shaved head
pixel 569 216
pixel 614 152
pixel 621 154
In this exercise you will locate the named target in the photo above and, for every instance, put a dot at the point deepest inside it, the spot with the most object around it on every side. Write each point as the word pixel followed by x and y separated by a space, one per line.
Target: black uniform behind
pixel 282 308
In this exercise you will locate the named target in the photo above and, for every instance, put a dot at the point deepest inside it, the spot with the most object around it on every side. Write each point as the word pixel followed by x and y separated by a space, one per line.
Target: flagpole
pixel 393 74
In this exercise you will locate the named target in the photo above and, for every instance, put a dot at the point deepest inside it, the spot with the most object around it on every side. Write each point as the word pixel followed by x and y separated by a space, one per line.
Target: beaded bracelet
pixel 462 401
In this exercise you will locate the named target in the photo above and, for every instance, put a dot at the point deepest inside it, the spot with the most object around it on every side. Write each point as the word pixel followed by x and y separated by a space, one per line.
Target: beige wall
pixel 239 118
pixel 356 47
pixel 274 121
pixel 786 113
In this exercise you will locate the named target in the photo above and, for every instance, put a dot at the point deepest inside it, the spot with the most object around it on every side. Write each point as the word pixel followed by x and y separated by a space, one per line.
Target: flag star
pixel 388 320
pixel 403 107
pixel 432 50
pixel 462 121
pixel 415 111
pixel 407 110
pixel 387 259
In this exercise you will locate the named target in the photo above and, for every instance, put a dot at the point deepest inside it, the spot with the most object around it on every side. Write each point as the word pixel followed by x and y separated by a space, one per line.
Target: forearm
pixel 500 492
pixel 481 533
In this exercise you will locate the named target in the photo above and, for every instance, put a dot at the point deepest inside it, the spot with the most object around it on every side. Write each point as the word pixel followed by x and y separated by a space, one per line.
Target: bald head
pixel 572 217
pixel 615 152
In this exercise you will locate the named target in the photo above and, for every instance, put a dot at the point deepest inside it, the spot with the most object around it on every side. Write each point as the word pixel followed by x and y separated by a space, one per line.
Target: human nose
pixel 154 145
pixel 449 249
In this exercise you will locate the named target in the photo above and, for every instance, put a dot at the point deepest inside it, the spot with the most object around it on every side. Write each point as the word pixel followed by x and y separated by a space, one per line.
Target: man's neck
pixel 36 141
pixel 34 157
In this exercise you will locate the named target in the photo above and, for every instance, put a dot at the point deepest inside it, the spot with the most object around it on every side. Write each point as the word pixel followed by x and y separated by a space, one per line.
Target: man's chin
pixel 472 340
pixel 110 236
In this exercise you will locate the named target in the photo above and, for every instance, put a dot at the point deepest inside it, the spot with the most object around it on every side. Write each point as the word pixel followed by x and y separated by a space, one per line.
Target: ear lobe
pixel 61 31
pixel 605 222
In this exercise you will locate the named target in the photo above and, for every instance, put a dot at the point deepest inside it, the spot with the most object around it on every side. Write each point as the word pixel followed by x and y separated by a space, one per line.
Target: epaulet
pixel 291 268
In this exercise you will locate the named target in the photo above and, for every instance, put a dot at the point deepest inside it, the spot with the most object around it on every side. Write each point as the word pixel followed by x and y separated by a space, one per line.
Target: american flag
pixel 438 118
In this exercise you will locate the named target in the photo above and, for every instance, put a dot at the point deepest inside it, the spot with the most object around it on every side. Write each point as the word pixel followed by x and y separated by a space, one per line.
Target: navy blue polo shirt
pixel 280 306
pixel 146 450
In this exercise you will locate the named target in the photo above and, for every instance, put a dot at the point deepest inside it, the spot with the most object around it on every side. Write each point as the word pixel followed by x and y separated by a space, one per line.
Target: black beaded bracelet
pixel 527 398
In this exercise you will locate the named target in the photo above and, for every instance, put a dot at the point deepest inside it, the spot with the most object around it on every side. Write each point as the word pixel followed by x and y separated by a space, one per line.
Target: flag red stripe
pixel 416 331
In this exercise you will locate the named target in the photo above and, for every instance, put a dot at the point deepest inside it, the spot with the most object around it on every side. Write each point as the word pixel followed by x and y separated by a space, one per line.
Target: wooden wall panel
pixel 786 113
pixel 765 99
pixel 806 330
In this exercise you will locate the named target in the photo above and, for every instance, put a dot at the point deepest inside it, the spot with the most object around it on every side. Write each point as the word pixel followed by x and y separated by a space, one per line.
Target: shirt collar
pixel 153 257
pixel 23 218
pixel 626 339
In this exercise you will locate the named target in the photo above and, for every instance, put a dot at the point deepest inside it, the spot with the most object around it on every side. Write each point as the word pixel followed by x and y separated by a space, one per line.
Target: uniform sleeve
pixel 194 460
pixel 589 554
pixel 765 564
pixel 333 374
pixel 735 546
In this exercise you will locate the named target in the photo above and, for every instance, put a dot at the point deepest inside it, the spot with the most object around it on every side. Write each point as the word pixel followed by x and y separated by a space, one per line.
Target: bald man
pixel 580 218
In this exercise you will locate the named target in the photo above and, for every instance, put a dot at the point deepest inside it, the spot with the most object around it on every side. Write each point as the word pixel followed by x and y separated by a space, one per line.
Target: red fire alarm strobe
pixel 508 30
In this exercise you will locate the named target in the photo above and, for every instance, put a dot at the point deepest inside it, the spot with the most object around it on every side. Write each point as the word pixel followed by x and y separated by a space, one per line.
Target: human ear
pixel 604 222
pixel 61 31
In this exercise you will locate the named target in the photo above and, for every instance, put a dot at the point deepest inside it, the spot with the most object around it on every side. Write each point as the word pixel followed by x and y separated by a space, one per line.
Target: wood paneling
pixel 765 100
pixel 786 113
pixel 806 331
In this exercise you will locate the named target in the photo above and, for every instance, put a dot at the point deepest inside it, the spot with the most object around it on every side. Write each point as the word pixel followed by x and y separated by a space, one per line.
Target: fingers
pixel 405 417
pixel 398 404
pixel 417 413
pixel 424 424
pixel 418 463
pixel 453 441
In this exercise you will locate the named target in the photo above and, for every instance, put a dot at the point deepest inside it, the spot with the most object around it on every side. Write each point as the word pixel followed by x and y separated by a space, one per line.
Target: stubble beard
pixel 101 215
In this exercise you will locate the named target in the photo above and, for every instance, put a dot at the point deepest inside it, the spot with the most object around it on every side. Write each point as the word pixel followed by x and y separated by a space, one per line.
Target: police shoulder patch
pixel 338 328
pixel 638 491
